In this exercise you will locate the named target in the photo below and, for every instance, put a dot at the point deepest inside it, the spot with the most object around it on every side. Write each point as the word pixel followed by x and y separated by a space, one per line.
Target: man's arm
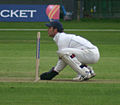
pixel 60 65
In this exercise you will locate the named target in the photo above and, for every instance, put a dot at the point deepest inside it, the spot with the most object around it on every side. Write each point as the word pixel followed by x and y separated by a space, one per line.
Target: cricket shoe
pixel 78 78
pixel 93 74
pixel 82 78
pixel 90 74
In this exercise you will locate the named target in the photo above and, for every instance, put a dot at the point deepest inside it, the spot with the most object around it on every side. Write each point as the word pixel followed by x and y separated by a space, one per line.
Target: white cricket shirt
pixel 64 40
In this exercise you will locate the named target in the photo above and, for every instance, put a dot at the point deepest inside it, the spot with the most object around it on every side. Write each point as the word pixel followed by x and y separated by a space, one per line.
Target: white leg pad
pixel 75 65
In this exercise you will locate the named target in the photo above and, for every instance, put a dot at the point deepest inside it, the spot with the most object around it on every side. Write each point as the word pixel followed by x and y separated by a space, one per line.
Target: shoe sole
pixel 84 79
pixel 80 79
pixel 89 78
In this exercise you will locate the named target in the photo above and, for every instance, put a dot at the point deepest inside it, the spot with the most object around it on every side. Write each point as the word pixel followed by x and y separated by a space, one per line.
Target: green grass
pixel 82 24
pixel 59 94
pixel 17 60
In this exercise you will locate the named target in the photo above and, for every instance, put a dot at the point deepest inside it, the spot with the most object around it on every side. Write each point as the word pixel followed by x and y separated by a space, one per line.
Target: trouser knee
pixel 61 53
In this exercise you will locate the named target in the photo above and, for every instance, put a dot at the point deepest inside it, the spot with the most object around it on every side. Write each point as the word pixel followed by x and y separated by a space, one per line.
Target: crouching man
pixel 73 50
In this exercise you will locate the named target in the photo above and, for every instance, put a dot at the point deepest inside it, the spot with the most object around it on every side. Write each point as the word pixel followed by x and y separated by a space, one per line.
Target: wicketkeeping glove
pixel 48 75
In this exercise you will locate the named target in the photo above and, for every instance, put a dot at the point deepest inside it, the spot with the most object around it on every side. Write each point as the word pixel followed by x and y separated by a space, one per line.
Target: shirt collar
pixel 56 37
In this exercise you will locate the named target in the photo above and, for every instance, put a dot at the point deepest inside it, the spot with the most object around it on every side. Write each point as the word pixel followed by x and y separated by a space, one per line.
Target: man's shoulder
pixel 66 34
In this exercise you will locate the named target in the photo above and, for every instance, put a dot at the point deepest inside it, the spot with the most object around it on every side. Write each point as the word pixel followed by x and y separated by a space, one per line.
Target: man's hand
pixel 48 75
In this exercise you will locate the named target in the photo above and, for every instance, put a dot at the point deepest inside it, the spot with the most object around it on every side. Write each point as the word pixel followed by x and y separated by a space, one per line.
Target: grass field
pixel 17 62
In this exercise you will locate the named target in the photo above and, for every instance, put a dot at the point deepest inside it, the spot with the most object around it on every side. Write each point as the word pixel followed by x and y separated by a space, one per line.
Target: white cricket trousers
pixel 84 56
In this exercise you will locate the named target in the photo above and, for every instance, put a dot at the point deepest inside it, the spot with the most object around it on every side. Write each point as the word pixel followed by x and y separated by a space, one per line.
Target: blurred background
pixel 76 9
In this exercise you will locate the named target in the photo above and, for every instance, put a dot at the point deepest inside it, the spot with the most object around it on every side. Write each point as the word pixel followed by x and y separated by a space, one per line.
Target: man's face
pixel 51 31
